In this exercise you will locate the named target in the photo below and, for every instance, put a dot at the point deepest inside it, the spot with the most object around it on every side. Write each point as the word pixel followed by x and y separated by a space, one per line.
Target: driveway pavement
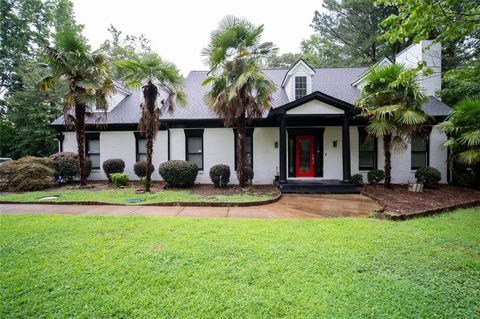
pixel 289 206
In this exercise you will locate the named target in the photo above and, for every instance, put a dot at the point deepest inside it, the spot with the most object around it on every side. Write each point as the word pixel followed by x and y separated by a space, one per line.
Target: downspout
pixel 168 142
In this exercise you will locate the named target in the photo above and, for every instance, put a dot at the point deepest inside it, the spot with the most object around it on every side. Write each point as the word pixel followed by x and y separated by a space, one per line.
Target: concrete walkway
pixel 289 206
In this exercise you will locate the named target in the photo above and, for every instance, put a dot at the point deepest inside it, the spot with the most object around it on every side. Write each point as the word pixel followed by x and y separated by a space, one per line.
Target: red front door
pixel 304 158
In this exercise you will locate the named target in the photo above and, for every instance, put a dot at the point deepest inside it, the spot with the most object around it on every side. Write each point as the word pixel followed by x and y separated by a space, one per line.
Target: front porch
pixel 314 145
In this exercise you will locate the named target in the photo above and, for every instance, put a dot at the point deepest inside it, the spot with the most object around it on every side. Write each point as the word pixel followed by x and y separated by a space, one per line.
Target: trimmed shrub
pixel 428 176
pixel 112 166
pixel 119 179
pixel 375 176
pixel 249 174
pixel 463 178
pixel 357 179
pixel 220 175
pixel 88 167
pixel 67 166
pixel 178 173
pixel 140 168
pixel 26 174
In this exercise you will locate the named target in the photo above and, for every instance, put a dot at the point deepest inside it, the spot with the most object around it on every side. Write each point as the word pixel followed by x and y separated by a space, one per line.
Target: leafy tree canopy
pixel 443 20
pixel 347 33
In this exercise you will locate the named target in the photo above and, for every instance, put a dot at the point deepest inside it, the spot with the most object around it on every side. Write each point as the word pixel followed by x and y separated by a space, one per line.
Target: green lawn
pixel 145 267
pixel 121 195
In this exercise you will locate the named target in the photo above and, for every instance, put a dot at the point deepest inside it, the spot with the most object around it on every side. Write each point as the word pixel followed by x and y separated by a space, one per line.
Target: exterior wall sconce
pixel 275 144
pixel 335 143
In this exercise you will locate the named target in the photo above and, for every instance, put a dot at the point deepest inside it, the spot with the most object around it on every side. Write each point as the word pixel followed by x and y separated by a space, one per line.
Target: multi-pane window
pixel 248 148
pixel 367 150
pixel 419 156
pixel 92 149
pixel 300 86
pixel 141 149
pixel 194 147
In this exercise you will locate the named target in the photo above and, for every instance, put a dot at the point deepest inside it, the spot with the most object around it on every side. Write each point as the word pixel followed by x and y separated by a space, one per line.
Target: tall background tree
pixel 70 62
pixel 155 77
pixel 26 26
pixel 123 47
pixel 453 23
pixel 239 89
pixel 346 33
pixel 391 101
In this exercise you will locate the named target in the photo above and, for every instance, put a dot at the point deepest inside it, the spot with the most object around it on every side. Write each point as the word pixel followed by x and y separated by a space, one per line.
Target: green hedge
pixel 178 173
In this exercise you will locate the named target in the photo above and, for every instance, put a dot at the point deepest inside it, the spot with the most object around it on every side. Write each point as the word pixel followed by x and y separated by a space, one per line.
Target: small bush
pixel 88 167
pixel 428 176
pixel 27 174
pixel 112 166
pixel 249 174
pixel 220 175
pixel 375 176
pixel 178 173
pixel 463 178
pixel 140 168
pixel 357 179
pixel 67 166
pixel 119 179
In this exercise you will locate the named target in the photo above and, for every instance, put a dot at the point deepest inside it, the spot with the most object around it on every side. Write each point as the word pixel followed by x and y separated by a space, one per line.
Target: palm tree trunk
pixel 80 134
pixel 387 141
pixel 149 126
pixel 148 177
pixel 241 128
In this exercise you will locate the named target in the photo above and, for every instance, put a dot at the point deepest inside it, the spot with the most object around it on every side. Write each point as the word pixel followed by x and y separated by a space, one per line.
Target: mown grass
pixel 144 267
pixel 122 195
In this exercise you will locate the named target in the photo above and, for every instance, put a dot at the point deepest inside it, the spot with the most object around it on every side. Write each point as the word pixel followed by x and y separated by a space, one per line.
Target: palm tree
pixel 391 101
pixel 239 89
pixel 155 77
pixel 463 128
pixel 86 76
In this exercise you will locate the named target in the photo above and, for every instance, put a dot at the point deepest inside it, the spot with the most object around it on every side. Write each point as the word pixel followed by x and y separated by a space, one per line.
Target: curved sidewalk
pixel 289 206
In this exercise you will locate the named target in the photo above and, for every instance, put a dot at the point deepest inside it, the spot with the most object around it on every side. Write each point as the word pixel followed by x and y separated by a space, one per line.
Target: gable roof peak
pixel 300 62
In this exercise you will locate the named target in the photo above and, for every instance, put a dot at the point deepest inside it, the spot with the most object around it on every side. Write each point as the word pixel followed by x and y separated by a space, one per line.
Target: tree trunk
pixel 148 177
pixel 241 128
pixel 80 134
pixel 149 126
pixel 387 141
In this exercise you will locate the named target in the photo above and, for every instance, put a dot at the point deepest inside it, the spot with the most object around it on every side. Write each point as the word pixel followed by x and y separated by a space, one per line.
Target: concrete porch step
pixel 310 186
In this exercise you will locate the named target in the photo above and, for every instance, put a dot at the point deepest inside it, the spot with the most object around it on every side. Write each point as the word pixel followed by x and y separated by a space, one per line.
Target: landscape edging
pixel 164 204
pixel 423 213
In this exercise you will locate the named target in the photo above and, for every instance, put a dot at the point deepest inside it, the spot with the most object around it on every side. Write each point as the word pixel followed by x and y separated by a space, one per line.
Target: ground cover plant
pixel 144 267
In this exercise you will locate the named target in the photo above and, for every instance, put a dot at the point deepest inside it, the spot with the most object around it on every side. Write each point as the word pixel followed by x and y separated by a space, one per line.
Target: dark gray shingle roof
pixel 335 82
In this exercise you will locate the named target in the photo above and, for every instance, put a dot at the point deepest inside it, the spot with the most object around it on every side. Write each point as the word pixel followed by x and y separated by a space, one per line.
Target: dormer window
pixel 300 87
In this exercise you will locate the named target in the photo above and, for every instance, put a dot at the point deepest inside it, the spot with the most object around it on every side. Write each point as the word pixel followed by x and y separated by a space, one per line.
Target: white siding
pixel 332 160
pixel 219 149
pixel 121 144
pixel 401 162
pixel 265 155
pixel 438 155
pixel 429 53
pixel 315 107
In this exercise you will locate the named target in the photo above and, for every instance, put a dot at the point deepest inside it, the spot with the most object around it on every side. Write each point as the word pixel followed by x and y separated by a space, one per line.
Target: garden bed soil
pixel 399 203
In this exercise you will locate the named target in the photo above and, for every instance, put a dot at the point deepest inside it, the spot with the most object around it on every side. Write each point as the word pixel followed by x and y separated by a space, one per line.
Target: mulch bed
pixel 399 203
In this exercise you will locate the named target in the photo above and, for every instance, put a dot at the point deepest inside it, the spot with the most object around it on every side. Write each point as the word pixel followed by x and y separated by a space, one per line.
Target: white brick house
pixel 310 135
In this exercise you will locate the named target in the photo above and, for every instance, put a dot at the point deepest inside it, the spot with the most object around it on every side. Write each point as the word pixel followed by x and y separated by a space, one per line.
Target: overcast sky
pixel 180 29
